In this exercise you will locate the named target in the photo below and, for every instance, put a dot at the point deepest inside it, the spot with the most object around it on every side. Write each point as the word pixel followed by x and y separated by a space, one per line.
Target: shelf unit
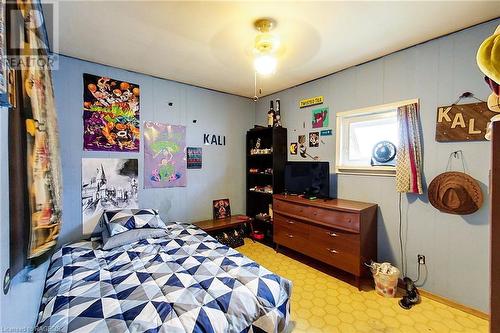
pixel 258 202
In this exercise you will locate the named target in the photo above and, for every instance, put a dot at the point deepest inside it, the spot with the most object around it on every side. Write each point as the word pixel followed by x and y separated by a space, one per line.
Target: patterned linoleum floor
pixel 322 303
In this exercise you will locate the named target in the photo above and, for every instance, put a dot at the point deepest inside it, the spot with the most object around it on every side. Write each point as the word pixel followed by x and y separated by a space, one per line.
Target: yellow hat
pixel 494 102
pixel 488 56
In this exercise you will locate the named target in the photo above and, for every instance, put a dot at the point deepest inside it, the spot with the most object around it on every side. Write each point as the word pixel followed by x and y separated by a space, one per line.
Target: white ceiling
pixel 209 44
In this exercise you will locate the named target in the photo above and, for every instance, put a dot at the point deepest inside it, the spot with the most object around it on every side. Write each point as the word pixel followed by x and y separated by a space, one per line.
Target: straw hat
pixel 455 193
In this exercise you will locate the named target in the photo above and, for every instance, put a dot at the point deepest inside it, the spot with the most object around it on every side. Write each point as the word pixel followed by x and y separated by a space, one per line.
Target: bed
pixel 183 282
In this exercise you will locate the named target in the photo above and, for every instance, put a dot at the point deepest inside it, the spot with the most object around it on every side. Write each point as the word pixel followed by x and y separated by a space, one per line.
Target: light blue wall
pixel 437 72
pixel 222 175
pixel 223 172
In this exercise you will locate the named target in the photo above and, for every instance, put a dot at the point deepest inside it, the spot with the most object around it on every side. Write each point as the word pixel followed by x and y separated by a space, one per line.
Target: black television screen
pixel 309 178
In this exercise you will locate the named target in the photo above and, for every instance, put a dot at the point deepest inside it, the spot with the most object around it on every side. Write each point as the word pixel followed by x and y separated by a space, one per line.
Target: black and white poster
pixel 107 183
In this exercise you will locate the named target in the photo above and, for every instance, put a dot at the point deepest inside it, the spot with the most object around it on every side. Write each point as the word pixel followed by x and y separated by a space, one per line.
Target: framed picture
pixel 221 209
pixel 320 118
pixel 194 157
pixel 314 139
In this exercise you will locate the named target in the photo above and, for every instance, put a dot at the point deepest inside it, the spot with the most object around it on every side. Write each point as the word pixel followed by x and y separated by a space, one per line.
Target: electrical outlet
pixel 421 259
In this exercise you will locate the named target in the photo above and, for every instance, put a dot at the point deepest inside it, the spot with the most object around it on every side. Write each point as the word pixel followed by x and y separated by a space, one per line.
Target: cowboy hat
pixel 455 193
pixel 488 56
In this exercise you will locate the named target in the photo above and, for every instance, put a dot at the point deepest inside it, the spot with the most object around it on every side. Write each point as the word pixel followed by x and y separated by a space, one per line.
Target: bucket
pixel 386 279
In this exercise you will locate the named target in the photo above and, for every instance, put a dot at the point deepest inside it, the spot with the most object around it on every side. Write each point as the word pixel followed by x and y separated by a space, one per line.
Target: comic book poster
pixel 164 155
pixel 110 114
pixel 320 118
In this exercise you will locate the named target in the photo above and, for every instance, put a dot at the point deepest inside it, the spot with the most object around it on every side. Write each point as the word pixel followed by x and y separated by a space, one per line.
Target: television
pixel 311 179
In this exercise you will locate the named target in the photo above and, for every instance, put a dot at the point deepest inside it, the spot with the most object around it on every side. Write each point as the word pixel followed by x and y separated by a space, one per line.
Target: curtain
pixel 409 153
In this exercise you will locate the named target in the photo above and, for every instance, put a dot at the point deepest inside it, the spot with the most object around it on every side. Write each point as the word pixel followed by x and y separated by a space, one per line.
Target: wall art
pixel 320 118
pixel 110 114
pixel 107 183
pixel 462 122
pixel 221 209
pixel 314 139
pixel 194 157
pixel 293 148
pixel 311 101
pixel 327 132
pixel 164 155
pixel 213 139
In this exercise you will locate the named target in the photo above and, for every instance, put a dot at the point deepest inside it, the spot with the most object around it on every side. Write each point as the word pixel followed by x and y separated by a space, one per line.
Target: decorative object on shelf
pixel 268 189
pixel 194 157
pixel 314 139
pixel 463 122
pixel 107 183
pixel 260 151
pixel 327 132
pixel 455 192
pixel 293 148
pixel 110 114
pixel 384 154
pixel 320 118
pixel 214 139
pixel 270 115
pixel 277 114
pixel 409 153
pixel 164 155
pixel 221 209
pixel 488 56
pixel 311 101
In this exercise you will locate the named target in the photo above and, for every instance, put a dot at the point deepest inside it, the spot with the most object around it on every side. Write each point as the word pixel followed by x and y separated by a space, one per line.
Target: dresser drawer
pixel 344 220
pixel 347 242
pixel 291 224
pixel 291 208
pixel 336 257
pixel 289 237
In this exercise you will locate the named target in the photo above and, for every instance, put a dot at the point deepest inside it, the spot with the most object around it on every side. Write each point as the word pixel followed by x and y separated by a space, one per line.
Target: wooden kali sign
pixel 464 122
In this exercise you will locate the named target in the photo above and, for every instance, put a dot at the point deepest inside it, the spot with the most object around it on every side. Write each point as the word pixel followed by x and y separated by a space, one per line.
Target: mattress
pixel 185 282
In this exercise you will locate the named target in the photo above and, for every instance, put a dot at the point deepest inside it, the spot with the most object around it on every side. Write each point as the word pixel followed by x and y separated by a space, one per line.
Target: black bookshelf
pixel 258 196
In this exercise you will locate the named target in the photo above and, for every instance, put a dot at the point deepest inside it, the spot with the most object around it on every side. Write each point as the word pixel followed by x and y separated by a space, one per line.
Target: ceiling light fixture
pixel 265 47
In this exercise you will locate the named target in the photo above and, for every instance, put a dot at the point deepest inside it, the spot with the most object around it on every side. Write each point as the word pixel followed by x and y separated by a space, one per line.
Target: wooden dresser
pixel 340 233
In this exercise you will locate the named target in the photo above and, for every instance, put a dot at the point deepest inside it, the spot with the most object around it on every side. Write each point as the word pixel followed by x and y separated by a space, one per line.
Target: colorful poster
pixel 110 114
pixel 314 139
pixel 194 157
pixel 164 155
pixel 320 118
pixel 293 148
pixel 107 183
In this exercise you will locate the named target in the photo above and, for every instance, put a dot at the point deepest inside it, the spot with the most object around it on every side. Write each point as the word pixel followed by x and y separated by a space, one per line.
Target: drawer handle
pixel 332 251
pixel 289 222
pixel 332 234
pixel 348 220
pixel 290 235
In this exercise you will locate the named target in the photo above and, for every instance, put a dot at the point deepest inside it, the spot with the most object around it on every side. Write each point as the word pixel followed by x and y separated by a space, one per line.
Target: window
pixel 359 131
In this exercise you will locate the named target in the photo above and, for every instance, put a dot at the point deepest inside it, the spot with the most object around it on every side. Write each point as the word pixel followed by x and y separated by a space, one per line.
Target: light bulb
pixel 265 64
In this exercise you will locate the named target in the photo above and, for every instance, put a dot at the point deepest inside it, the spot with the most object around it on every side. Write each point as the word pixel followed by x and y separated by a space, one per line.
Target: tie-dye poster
pixel 110 114
pixel 164 155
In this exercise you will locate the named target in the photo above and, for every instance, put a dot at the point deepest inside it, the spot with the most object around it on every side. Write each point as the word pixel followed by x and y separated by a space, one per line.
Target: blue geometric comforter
pixel 186 282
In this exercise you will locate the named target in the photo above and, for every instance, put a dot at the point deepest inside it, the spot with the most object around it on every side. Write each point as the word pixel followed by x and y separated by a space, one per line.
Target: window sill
pixel 367 171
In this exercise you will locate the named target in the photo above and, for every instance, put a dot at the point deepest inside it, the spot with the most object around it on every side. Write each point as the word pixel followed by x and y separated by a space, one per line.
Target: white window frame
pixel 342 136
